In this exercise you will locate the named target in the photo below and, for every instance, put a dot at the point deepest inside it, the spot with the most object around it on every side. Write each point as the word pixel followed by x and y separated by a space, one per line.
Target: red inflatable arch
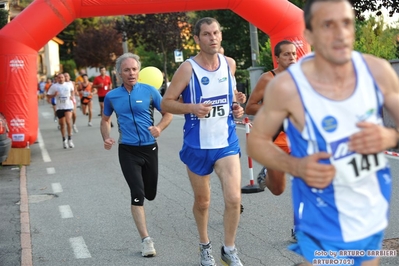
pixel 21 39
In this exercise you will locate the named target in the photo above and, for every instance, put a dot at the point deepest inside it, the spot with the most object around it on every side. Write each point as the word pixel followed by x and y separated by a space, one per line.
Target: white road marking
pixel 50 170
pixel 56 187
pixel 79 248
pixel 65 211
pixel 45 155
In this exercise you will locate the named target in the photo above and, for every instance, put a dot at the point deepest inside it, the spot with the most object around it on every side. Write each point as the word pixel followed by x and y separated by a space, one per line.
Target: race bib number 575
pixel 220 106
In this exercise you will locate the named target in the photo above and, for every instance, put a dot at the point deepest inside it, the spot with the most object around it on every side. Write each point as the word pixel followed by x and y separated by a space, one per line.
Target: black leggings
pixel 140 167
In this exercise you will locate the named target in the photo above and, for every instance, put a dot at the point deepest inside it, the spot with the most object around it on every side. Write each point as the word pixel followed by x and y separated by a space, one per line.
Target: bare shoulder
pixel 263 81
pixel 185 69
pixel 376 64
pixel 282 84
pixel 383 73
pixel 267 76
pixel 180 80
pixel 230 60
pixel 232 63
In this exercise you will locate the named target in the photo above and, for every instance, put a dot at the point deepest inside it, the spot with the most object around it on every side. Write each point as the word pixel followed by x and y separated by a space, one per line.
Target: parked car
pixel 5 141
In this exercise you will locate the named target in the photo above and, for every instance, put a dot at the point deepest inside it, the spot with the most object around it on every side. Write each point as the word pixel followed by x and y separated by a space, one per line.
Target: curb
pixel 26 244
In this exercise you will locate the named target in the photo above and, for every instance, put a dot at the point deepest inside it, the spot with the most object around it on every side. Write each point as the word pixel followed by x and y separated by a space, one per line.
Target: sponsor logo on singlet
pixel 366 115
pixel 218 100
pixel 205 81
pixel 329 123
pixel 340 148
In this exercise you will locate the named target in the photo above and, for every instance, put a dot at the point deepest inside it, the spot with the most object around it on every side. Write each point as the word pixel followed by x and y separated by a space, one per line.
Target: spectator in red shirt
pixel 103 84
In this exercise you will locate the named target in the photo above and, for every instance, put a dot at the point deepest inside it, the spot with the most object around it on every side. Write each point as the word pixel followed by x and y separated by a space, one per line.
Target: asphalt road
pixel 79 206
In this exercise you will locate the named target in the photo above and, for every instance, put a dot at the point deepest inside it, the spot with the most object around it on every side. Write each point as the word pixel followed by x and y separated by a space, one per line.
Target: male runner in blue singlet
pixel 205 83
pixel 332 101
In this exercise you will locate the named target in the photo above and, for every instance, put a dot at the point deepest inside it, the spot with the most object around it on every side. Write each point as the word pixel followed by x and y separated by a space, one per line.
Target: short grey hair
pixel 123 58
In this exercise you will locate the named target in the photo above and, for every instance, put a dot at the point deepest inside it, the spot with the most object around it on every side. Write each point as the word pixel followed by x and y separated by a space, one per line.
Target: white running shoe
pixel 230 258
pixel 70 143
pixel 147 248
pixel 90 124
pixel 206 258
pixel 75 128
pixel 65 143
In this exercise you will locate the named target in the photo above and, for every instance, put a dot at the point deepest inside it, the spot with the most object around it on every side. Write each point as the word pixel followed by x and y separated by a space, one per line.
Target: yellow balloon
pixel 151 76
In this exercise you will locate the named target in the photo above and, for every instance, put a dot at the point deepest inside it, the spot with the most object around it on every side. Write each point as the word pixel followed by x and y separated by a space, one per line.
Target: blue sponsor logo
pixel 329 123
pixel 340 148
pixel 219 100
pixel 205 81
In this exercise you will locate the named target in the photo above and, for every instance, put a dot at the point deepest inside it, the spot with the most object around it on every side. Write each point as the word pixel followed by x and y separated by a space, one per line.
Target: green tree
pixel 265 54
pixel 69 66
pixel 158 33
pixel 3 17
pixel 373 36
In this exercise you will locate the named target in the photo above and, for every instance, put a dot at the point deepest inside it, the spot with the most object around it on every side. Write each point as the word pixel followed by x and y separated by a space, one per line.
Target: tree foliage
pixel 72 31
pixel 374 37
pixel 362 6
pixel 158 33
pixel 375 6
pixel 94 46
pixel 3 17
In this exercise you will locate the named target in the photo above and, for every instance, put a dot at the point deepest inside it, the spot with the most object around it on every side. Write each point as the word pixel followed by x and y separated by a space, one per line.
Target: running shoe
pixel 70 144
pixel 90 124
pixel 65 143
pixel 147 248
pixel 75 129
pixel 262 178
pixel 206 258
pixel 231 258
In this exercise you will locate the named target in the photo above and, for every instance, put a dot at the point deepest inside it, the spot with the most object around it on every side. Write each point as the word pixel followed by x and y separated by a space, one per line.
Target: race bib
pixel 63 99
pixel 352 167
pixel 86 94
pixel 220 106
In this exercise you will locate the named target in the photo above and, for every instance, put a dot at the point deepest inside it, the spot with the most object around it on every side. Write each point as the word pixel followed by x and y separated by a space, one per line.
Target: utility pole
pixel 253 31
pixel 124 36
pixel 255 70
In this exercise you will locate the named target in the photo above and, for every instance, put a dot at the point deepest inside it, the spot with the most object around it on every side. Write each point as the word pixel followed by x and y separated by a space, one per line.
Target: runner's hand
pixel 314 173
pixel 155 131
pixel 371 138
pixel 202 109
pixel 238 111
pixel 108 143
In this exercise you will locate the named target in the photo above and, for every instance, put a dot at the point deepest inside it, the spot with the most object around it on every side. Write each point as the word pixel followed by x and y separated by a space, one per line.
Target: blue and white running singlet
pixel 355 205
pixel 217 129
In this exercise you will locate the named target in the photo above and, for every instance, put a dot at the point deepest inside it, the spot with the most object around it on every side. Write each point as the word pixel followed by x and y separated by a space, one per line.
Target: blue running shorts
pixel 202 161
